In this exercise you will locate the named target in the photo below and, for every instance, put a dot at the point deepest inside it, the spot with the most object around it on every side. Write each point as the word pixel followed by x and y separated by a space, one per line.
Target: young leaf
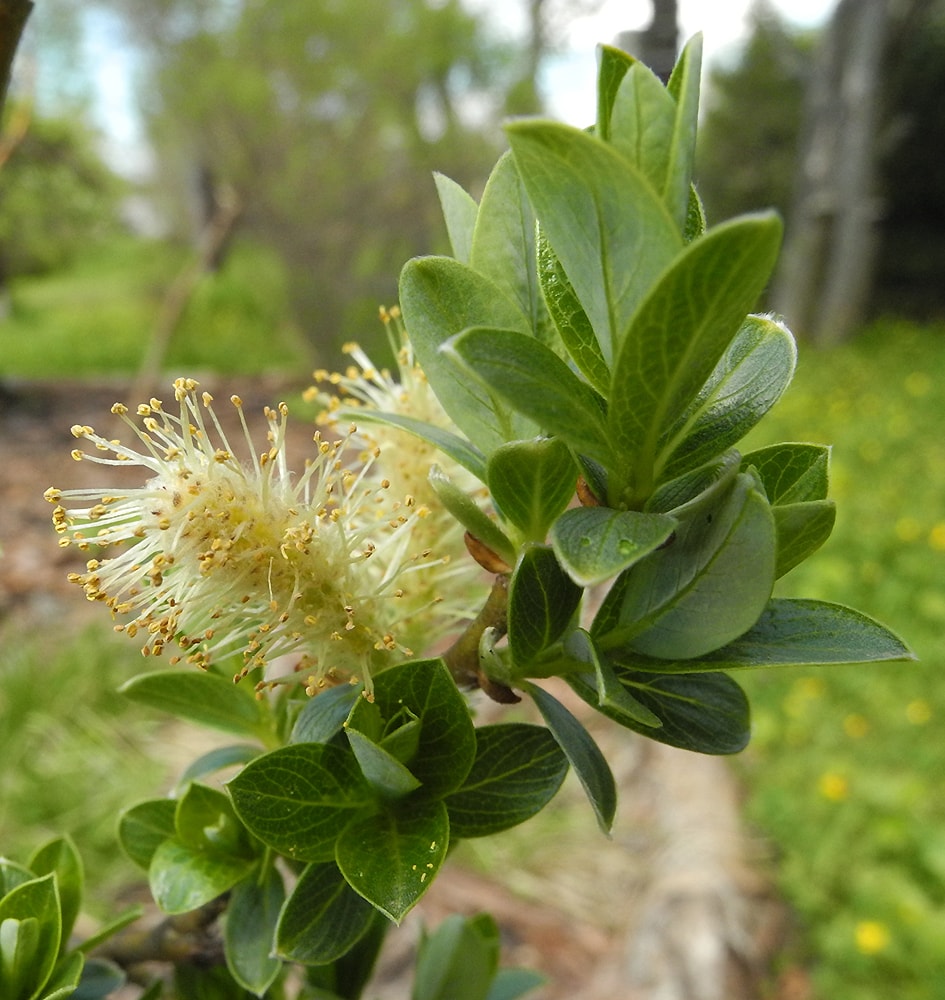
pixel 749 379
pixel 298 799
pixel 681 331
pixel 569 318
pixel 384 772
pixel 323 716
pixel 322 919
pixel 459 213
pixel 250 928
pixel 458 960
pixel 542 600
pixel 470 515
pixel 613 65
pixel 532 482
pixel 791 473
pixel 144 827
pixel 31 922
pixel 517 772
pixel 607 225
pixel 391 857
pixel 707 713
pixel 594 544
pixel 60 856
pixel 684 86
pixel 204 820
pixel 183 877
pixel 447 743
pixel 439 298
pixel 696 488
pixel 801 528
pixel 532 379
pixel 206 698
pixel 710 585
pixel 588 762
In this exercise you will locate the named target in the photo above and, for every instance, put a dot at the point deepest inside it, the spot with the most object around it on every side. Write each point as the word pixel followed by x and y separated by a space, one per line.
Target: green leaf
pixel 803 633
pixel 391 857
pixel 535 381
pixel 60 856
pixel 322 919
pixel 707 713
pixel 613 64
pixel 384 772
pixel 459 213
pixel 111 928
pixel 791 473
pixel 30 934
pixel 510 984
pixel 206 698
pixel 749 379
pixel 217 760
pixel 249 930
pixel 471 516
pixel 323 715
pixel 684 85
pixel 298 799
pixel 503 247
pixel 679 334
pixel 532 482
pixel 542 601
pixel 459 960
pixel 99 979
pixel 143 827
pixel 594 544
pixel 588 762
pixel 452 445
pixel 569 317
pixel 447 743
pixel 801 528
pixel 183 877
pixel 709 586
pixel 607 225
pixel 205 820
pixel 441 297
pixel 579 646
pixel 517 772
pixel 12 875
pixel 696 488
pixel 696 223
pixel 69 979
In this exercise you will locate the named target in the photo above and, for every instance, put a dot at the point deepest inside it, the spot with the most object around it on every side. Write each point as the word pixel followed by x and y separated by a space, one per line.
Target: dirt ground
pixel 671 907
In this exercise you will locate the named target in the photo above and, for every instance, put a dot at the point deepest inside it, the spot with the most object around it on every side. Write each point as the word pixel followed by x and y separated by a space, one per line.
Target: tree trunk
pixel 823 283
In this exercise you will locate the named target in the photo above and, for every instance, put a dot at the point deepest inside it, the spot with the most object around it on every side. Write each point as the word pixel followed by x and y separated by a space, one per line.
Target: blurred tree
pixel 326 120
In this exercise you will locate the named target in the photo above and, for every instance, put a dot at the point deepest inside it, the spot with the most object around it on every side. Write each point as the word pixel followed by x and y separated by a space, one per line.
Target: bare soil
pixel 674 906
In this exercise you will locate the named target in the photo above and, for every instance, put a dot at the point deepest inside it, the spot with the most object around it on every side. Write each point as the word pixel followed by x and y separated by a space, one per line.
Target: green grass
pixel 846 770
pixel 95 318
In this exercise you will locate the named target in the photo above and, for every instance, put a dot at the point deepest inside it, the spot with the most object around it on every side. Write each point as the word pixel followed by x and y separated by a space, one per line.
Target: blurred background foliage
pixel 311 130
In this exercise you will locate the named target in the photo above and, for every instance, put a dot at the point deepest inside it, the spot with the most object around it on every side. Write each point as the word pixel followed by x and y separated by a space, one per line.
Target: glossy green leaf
pixel 531 378
pixel 517 771
pixel 12 875
pixel 323 715
pixel 391 857
pixel 697 487
pixel 532 482
pixel 143 827
pixel 503 246
pixel 470 515
pixel 205 820
pixel 710 585
pixel 707 713
pixel 218 759
pixel 594 544
pixel 542 601
pixel 459 960
pixel 569 318
pixel 583 753
pixel 207 698
pixel 383 771
pixel 183 877
pixel 459 213
pixel 441 297
pixel 30 934
pixel 249 930
pixel 681 331
pixel 60 856
pixel 579 646
pixel 447 743
pixel 322 919
pixel 613 64
pixel 749 379
pixel 791 473
pixel 801 528
pixel 298 799
pixel 607 225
